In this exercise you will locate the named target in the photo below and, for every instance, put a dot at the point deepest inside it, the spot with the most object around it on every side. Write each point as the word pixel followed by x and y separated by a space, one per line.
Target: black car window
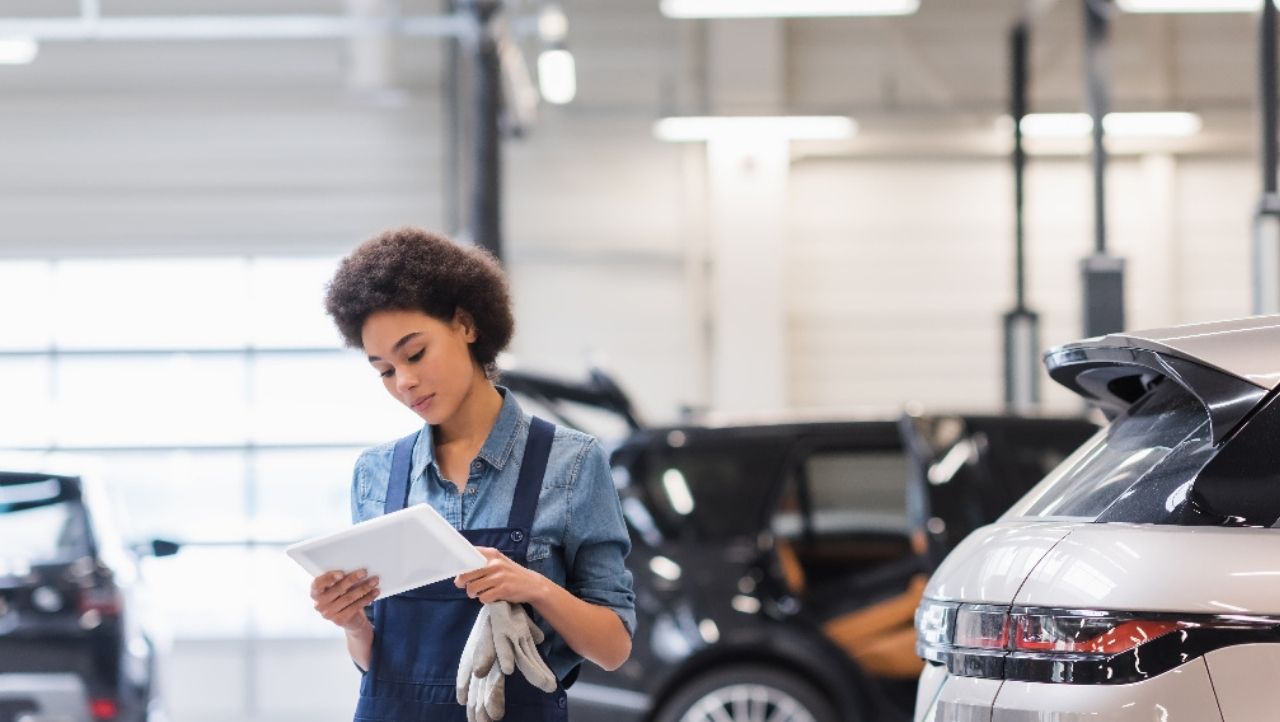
pixel 1135 446
pixel 711 491
pixel 36 528
pixel 848 491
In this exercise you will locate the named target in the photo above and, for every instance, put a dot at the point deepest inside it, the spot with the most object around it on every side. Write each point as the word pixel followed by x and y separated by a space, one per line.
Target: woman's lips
pixel 422 403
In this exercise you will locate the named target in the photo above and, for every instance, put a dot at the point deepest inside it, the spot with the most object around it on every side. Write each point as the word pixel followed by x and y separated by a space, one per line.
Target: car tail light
pixel 1107 635
pixel 103 600
pixel 1074 646
pixel 103 708
pixel 982 627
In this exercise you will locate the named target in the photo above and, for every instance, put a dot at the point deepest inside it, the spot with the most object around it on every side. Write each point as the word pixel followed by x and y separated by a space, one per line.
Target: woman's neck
pixel 470 425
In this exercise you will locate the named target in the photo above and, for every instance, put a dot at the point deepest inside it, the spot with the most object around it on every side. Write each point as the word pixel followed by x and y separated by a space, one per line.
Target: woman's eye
pixel 386 373
pixel 417 356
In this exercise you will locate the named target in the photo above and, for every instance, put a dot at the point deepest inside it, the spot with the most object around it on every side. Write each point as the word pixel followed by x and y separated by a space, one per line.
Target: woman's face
pixel 425 363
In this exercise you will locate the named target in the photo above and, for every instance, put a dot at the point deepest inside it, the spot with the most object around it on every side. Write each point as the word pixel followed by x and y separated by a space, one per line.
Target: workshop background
pixel 170 209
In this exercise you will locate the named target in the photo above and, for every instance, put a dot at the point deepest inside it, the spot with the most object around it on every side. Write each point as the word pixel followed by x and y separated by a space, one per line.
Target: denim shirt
pixel 579 539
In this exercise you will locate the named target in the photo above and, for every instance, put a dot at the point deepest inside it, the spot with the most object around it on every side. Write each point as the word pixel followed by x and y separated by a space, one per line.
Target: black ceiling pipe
pixel 1266 220
pixel 1095 68
pixel 453 139
pixel 1017 110
pixel 486 198
pixel 1267 94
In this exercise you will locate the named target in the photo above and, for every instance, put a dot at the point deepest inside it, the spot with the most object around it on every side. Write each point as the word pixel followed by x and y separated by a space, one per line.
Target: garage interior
pixel 172 206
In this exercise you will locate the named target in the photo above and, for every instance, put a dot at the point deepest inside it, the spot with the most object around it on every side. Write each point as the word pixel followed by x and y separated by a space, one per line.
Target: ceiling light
pixel 1126 125
pixel 688 129
pixel 557 76
pixel 1165 125
pixel 1190 6
pixel 785 8
pixel 18 50
pixel 553 26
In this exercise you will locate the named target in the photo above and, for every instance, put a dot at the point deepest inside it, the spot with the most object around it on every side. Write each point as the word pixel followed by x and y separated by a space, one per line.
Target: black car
pixel 73 641
pixel 778 565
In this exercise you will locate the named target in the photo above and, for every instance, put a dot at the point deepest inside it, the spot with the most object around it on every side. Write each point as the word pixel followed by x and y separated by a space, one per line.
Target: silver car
pixel 1140 580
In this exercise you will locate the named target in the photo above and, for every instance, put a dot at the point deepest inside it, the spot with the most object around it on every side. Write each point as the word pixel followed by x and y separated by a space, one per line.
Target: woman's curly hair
pixel 416 270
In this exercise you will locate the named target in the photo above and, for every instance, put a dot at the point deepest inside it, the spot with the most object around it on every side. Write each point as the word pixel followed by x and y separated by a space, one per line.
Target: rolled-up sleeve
pixel 596 539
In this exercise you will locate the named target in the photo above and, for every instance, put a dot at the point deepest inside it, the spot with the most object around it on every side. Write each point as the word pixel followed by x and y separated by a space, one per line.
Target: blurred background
pixel 181 177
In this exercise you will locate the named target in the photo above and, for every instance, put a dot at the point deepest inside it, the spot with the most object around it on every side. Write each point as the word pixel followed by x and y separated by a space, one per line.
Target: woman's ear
pixel 462 321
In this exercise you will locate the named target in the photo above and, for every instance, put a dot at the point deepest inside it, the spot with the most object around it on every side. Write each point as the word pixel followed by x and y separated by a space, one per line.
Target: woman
pixel 432 316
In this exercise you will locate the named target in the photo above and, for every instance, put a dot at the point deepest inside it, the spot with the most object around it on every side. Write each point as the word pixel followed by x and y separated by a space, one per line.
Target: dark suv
pixel 778 566
pixel 74 643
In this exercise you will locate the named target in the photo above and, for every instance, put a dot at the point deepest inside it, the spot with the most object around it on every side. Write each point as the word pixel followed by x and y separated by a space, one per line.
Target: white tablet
pixel 404 549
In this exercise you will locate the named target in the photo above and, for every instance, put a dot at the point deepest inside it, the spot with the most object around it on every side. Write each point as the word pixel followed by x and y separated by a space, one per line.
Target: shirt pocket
pixel 546 557
pixel 539 550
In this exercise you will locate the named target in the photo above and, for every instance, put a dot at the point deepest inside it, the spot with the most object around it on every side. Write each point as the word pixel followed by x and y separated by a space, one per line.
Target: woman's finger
pixel 356 592
pixel 341 587
pixel 323 582
pixel 476 588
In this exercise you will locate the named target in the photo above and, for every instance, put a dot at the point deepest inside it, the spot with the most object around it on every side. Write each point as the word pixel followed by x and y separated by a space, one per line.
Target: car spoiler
pixel 598 390
pixel 1228 366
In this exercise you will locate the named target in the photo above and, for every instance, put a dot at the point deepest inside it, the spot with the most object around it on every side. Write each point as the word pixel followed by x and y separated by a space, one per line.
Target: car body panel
pixel 961 699
pixel 1242 347
pixel 931 681
pixel 1143 568
pixel 55 697
pixel 1184 694
pixel 1244 678
pixel 991 564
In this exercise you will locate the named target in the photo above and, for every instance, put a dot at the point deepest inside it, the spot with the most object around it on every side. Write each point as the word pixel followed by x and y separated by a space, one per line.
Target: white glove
pixel 479 645
pixel 515 644
pixel 487 697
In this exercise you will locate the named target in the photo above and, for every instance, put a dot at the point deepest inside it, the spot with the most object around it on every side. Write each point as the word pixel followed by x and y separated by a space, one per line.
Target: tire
pixel 747 693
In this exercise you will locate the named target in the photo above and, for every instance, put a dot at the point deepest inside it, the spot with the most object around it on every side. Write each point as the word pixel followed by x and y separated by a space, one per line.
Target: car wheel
pixel 747 694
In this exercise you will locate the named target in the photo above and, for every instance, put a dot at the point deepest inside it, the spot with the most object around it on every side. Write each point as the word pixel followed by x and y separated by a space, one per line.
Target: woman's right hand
pixel 341 598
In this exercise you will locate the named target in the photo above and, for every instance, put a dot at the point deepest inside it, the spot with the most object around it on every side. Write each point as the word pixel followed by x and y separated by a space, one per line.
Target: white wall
pixel 901 268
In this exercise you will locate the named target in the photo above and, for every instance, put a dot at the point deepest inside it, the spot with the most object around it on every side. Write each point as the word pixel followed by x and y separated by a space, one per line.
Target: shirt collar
pixel 497 447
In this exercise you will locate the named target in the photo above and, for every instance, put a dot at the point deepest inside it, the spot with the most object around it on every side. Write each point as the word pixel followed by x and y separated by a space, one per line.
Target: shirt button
pixel 561 701
pixel 517 536
pixel 475 467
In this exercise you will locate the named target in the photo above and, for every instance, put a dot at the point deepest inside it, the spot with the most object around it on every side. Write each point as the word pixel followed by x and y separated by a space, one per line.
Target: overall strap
pixel 401 467
pixel 537 449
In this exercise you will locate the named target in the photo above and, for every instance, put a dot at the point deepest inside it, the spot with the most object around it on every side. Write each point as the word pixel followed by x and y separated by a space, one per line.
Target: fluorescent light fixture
pixel 785 8
pixel 18 50
pixel 557 76
pixel 1125 125
pixel 813 127
pixel 1164 125
pixel 1190 6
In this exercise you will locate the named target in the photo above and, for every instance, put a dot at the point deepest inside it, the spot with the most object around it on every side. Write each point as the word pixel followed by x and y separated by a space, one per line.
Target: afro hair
pixel 415 270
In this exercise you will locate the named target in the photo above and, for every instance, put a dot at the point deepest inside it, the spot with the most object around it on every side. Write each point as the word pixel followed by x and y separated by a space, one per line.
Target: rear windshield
pixel 40 525
pixel 1141 450
pixel 711 491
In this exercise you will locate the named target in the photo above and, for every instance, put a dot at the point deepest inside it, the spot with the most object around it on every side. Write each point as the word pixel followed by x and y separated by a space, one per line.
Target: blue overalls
pixel 419 634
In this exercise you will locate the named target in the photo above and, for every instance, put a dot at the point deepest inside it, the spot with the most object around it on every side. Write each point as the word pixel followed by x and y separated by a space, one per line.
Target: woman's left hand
pixel 502 580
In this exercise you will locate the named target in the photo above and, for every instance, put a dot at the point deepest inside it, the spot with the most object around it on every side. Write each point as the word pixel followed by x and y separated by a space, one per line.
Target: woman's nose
pixel 405 380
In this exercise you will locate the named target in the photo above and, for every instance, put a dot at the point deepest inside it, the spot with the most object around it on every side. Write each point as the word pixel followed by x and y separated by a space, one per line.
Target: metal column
pixel 485 219
pixel 1021 325
pixel 1266 221
pixel 1102 275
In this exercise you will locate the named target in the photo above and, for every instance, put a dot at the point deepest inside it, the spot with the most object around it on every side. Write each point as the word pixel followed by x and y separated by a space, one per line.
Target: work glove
pixel 487 697
pixel 479 644
pixel 515 645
